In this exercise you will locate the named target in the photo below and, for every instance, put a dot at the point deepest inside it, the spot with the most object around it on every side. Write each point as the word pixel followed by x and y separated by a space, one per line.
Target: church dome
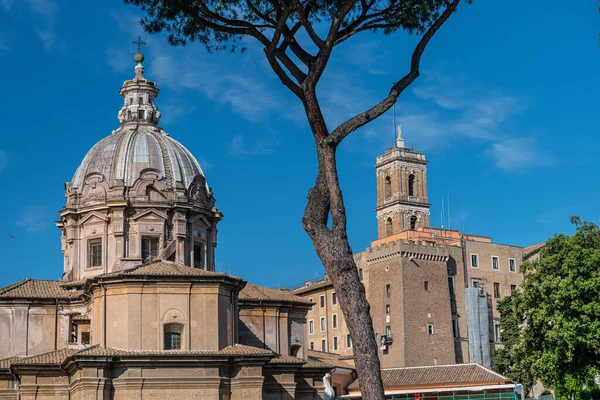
pixel 126 153
pixel 137 155
pixel 138 195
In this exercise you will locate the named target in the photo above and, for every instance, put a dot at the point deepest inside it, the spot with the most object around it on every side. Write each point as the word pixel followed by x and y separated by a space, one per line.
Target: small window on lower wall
pixel 173 336
pixel 323 345
pixel 430 329
pixel 312 345
pixel 335 343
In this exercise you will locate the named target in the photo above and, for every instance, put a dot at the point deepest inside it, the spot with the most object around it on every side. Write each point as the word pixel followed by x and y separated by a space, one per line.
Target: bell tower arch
pixel 402 201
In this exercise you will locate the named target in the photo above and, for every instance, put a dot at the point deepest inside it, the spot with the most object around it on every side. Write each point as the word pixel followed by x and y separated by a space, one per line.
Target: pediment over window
pixel 93 217
pixel 149 212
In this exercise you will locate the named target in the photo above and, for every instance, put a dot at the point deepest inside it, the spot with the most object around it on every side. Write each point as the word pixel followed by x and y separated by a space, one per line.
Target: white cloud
pixel 518 154
pixel 204 164
pixel 48 38
pixel 118 59
pixel 6 4
pixel 247 96
pixel 171 112
pixel 48 8
pixel 238 146
pixel 33 219
pixel 3 160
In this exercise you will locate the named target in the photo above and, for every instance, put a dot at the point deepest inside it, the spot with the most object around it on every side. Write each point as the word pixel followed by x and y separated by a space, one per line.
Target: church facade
pixel 141 311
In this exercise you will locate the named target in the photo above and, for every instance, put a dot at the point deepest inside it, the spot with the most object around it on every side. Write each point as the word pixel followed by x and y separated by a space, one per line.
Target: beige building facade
pixel 141 311
pixel 432 291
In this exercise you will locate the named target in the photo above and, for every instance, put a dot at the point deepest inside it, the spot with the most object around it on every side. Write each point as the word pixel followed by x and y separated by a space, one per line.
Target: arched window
pixel 388 227
pixel 411 185
pixel 141 100
pixel 173 336
pixel 388 187
pixel 131 100
pixel 295 351
pixel 413 222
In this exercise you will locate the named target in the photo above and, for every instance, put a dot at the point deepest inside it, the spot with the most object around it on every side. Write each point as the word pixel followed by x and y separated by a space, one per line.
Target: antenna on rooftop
pixel 448 205
pixel 442 213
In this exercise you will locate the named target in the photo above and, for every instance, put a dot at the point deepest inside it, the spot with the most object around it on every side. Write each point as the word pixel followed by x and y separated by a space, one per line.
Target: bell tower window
pixel 140 100
pixel 95 253
pixel 411 185
pixel 388 227
pixel 413 222
pixel 388 187
pixel 130 100
pixel 140 114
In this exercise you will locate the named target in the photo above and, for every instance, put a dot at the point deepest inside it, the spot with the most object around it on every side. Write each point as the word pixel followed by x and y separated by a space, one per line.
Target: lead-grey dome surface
pixel 126 153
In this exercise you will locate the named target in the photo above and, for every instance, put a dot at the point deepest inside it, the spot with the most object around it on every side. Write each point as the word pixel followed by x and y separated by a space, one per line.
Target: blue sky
pixel 505 110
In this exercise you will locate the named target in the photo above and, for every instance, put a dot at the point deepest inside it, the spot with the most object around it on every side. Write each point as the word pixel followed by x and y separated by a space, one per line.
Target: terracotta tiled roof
pixel 74 284
pixel 6 362
pixel 165 268
pixel 237 349
pixel 255 292
pixel 38 289
pixel 328 358
pixel 287 360
pixel 323 283
pixel 533 249
pixel 317 364
pixel 52 358
pixel 468 374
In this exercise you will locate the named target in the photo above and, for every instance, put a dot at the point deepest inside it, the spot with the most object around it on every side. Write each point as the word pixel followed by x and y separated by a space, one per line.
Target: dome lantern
pixel 139 94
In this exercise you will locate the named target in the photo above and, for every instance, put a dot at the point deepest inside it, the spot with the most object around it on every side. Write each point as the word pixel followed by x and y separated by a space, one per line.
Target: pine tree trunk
pixel 331 244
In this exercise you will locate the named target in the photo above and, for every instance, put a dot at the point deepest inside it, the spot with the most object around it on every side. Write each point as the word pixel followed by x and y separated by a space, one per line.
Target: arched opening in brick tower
pixel 388 227
pixel 413 222
pixel 411 185
pixel 388 187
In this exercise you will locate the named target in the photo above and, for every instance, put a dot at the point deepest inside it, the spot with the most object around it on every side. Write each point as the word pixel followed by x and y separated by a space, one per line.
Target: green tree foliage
pixel 551 329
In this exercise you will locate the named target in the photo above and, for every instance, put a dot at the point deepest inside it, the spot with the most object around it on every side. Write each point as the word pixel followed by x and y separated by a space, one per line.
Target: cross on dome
pixel 139 44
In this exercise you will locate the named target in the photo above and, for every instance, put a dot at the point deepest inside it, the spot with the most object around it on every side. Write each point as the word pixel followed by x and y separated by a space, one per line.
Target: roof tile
pixel 237 349
pixel 54 357
pixel 39 289
pixel 287 360
pixel 255 292
pixel 328 358
pixel 165 268
pixel 437 375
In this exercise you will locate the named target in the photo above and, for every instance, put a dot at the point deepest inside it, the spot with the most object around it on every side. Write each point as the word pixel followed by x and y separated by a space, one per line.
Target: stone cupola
pixel 138 195
pixel 139 94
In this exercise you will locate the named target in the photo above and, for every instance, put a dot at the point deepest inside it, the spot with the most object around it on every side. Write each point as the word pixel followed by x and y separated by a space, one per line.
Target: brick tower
pixel 401 190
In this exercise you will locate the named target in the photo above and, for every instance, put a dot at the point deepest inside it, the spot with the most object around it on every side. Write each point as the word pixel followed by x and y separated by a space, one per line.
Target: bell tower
pixel 402 201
